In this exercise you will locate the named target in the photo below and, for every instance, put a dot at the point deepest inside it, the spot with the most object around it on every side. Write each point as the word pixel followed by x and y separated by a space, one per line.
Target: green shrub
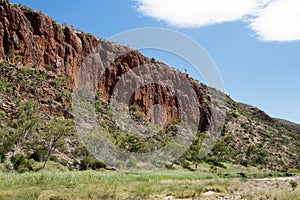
pixel 215 163
pixel 88 163
pixel 98 105
pixel 17 58
pixel 3 85
pixel 175 121
pixel 11 53
pixel 186 164
pixel 8 166
pixel 52 167
pixel 84 163
pixel 18 160
pixel 137 117
pixel 75 163
pixel 28 165
pixel 81 150
pixel 48 67
pixel 243 174
pixel 39 154
pixel 96 164
pixel 5 64
pixel 108 107
pixel 244 163
pixel 134 108
pixel 64 162
pixel 53 158
pixel 21 163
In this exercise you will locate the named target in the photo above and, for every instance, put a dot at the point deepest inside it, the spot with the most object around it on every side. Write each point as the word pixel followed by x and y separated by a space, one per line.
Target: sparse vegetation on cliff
pixel 26 108
pixel 40 150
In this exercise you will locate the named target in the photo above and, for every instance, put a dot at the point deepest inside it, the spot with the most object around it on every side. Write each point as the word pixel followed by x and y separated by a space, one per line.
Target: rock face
pixel 34 40
pixel 51 52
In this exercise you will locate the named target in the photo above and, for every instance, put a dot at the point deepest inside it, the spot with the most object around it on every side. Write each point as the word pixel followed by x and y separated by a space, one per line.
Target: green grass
pixel 94 185
pixel 118 185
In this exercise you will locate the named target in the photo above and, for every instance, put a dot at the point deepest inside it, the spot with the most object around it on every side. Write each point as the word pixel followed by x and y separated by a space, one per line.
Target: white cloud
pixel 196 13
pixel 272 20
pixel 279 21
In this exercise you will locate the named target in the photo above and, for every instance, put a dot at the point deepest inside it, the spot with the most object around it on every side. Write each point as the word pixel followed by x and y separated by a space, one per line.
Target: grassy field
pixel 166 184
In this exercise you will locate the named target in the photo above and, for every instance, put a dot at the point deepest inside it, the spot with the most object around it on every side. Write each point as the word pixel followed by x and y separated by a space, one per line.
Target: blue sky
pixel 257 54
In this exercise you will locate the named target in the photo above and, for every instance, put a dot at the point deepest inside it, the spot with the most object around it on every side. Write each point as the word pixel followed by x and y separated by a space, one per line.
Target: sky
pixel 255 44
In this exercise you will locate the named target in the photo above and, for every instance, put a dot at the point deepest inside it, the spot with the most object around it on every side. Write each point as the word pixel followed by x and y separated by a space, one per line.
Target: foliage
pixel 48 67
pixel 21 163
pixel 134 107
pixel 175 121
pixel 4 64
pixel 249 137
pixel 11 54
pixel 22 122
pixel 89 163
pixel 56 131
pixel 39 154
pixel 9 166
pixel 84 163
pixel 185 164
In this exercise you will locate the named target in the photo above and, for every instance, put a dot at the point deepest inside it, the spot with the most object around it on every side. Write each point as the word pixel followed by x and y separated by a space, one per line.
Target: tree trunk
pixel 47 158
pixel 19 143
pixel 15 149
pixel 49 153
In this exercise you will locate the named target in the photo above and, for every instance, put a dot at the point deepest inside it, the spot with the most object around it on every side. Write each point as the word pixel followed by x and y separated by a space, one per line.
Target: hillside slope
pixel 41 60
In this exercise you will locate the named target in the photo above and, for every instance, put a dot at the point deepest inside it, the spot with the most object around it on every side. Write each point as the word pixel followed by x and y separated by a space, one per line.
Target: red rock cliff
pixel 34 40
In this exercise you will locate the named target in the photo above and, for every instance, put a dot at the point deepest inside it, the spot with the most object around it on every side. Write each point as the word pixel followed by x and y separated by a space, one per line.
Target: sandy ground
pixel 266 188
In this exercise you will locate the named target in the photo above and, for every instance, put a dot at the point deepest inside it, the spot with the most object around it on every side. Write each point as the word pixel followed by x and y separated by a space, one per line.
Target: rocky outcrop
pixel 34 40
pixel 51 52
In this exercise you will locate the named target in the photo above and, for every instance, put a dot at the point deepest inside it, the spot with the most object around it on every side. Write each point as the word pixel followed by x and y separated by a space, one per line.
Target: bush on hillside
pixel 21 163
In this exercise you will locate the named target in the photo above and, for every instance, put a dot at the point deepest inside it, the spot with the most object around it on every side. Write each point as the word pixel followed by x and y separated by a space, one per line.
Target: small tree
pixel 56 131
pixel 6 142
pixel 23 122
